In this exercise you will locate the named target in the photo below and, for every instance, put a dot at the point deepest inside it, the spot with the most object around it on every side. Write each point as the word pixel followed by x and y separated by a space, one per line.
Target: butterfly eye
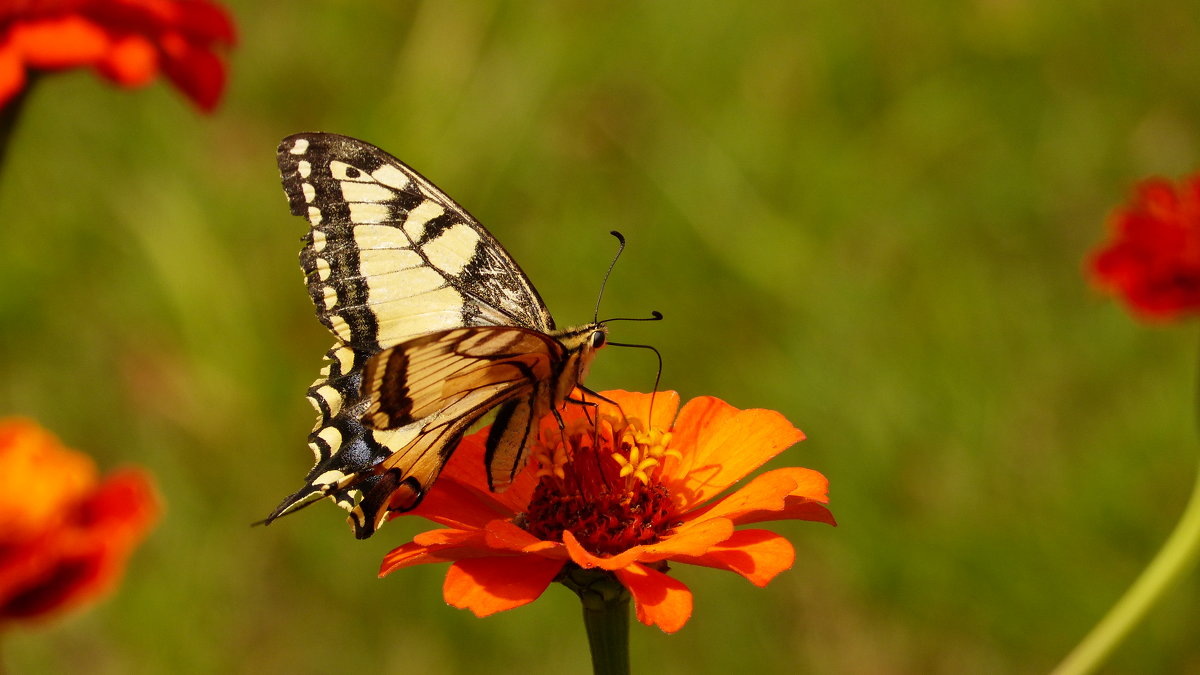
pixel 597 340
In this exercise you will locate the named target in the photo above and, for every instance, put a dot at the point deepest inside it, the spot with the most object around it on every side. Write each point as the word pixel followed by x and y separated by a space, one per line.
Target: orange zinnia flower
pixel 64 538
pixel 627 495
pixel 127 41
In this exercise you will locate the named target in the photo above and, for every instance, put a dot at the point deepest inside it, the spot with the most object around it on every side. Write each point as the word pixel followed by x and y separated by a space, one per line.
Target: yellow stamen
pixel 551 461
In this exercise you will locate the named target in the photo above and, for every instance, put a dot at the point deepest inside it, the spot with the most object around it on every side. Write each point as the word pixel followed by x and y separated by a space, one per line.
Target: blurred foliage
pixel 869 216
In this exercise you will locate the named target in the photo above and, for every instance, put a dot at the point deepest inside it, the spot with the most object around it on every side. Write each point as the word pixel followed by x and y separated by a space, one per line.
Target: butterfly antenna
pixel 655 315
pixel 611 265
pixel 658 374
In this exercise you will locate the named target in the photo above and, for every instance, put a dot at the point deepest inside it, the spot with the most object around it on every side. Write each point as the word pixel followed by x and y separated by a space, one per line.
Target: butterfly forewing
pixel 389 255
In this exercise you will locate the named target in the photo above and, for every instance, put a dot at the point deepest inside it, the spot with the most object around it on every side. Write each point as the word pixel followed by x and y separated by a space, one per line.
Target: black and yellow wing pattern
pixel 434 324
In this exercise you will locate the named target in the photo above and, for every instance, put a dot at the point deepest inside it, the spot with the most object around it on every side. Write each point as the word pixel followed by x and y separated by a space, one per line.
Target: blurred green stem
pixel 606 617
pixel 1174 559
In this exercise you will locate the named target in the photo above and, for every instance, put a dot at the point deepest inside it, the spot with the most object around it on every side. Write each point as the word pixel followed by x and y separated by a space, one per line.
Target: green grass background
pixel 869 216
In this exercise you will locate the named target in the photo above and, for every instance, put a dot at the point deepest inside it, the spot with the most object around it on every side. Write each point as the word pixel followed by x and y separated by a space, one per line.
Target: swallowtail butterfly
pixel 435 325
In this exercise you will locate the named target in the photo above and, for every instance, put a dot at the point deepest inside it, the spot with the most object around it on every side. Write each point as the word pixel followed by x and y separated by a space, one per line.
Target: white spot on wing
pixel 340 171
pixel 318 239
pixel 414 224
pixel 340 327
pixel 331 477
pixel 314 215
pixel 453 249
pixel 316 404
pixel 330 297
pixel 374 262
pixel 396 439
pixel 405 318
pixel 331 436
pixel 354 191
pixel 345 359
pixel 391 176
pixel 402 284
pixel 309 191
pixel 299 147
pixel 368 212
pixel 323 269
pixel 303 168
pixel 367 237
pixel 331 397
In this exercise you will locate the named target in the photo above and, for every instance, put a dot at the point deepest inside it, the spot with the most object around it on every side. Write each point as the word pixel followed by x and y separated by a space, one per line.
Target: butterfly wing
pixel 389 257
pixel 443 383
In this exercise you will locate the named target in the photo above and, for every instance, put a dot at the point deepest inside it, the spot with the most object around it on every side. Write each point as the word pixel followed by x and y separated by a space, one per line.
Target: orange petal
pixel 408 555
pixel 504 535
pixel 205 22
pixel 435 546
pixel 35 459
pixel 12 73
pixel 758 555
pixel 82 556
pixel 198 73
pixel 721 445
pixel 498 538
pixel 806 502
pixel 489 585
pixel 692 539
pixel 450 537
pixel 454 504
pixel 60 42
pixel 638 406
pixel 125 505
pixel 131 62
pixel 629 404
pixel 659 599
pixel 782 494
pixel 698 414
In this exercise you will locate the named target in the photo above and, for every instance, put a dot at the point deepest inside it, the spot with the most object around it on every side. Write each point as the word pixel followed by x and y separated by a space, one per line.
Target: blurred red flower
pixel 64 537
pixel 627 495
pixel 127 41
pixel 1153 258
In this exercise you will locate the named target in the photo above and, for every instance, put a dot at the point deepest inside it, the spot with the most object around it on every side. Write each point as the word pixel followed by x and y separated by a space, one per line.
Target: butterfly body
pixel 435 325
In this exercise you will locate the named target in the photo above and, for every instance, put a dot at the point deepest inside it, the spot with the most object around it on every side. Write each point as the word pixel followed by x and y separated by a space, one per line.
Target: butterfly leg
pixel 588 408
pixel 594 394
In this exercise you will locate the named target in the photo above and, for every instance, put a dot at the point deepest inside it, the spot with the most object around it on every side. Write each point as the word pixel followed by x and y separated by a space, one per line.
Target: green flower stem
pixel 606 617
pixel 1174 559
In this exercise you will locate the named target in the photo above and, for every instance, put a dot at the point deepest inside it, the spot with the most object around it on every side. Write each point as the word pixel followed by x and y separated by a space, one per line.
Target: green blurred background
pixel 870 216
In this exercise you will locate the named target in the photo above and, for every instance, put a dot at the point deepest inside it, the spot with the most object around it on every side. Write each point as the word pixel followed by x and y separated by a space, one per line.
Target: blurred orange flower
pixel 1153 257
pixel 626 495
pixel 127 41
pixel 64 537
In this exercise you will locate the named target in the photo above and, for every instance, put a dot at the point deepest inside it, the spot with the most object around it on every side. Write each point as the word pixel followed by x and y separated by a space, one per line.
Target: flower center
pixel 601 482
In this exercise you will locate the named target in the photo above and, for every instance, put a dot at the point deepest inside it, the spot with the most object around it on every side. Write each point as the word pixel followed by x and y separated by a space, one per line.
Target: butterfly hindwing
pixel 515 427
pixel 443 382
pixel 425 375
pixel 344 448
